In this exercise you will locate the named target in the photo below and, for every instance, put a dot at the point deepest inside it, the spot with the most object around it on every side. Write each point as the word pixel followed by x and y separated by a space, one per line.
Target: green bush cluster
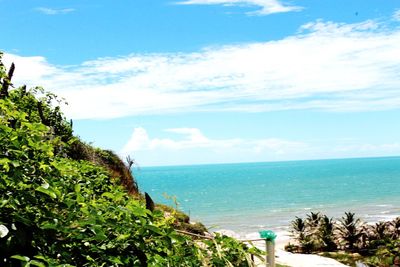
pixel 378 244
pixel 56 210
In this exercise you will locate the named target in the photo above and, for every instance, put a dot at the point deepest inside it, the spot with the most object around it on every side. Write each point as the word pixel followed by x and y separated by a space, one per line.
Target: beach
pixel 243 199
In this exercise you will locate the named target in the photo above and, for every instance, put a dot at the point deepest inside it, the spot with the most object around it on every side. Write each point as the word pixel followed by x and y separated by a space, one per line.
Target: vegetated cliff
pixel 78 150
pixel 63 202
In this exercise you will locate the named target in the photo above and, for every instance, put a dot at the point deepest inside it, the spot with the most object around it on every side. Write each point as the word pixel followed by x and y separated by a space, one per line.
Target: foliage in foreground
pixel 376 245
pixel 56 210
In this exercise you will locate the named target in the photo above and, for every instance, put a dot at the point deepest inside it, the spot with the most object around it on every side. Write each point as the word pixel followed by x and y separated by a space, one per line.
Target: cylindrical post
pixel 266 253
pixel 269 237
pixel 270 247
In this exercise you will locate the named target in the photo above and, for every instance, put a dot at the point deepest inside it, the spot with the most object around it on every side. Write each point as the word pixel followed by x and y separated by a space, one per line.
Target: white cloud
pixel 396 15
pixel 23 74
pixel 191 146
pixel 54 11
pixel 266 6
pixel 193 138
pixel 326 66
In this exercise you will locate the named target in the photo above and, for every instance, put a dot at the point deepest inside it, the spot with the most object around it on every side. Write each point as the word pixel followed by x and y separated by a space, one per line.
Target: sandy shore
pixel 298 260
pixel 304 260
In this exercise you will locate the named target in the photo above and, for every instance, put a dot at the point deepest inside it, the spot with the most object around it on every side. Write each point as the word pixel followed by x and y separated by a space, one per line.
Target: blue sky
pixel 213 81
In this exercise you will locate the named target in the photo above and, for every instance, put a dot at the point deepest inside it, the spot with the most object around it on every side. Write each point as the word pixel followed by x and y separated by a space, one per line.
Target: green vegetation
pixel 348 240
pixel 65 203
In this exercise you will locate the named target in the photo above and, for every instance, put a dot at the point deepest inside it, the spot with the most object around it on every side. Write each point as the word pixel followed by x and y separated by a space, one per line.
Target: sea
pixel 250 197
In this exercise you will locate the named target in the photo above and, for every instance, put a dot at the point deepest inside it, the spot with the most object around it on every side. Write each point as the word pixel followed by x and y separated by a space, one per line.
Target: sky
pixel 177 82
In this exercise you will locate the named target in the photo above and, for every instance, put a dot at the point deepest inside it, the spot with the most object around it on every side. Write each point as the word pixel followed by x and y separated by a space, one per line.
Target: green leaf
pixel 154 229
pixel 116 260
pixel 108 195
pixel 77 188
pixel 49 226
pixel 5 162
pixel 15 163
pixel 123 237
pixel 3 202
pixel 36 263
pixel 176 236
pixel 47 191
pixel 21 258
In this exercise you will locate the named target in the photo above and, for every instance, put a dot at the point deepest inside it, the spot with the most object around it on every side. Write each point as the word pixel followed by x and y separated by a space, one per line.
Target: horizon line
pixel 255 162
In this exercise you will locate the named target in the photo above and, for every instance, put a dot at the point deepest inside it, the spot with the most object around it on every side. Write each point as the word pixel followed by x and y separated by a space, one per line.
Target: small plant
pixel 227 251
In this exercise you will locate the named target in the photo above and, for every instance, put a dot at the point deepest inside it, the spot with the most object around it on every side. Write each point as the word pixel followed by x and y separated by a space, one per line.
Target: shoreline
pixel 246 227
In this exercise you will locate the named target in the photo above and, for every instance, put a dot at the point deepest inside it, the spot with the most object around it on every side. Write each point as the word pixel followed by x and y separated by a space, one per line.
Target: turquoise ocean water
pixel 248 197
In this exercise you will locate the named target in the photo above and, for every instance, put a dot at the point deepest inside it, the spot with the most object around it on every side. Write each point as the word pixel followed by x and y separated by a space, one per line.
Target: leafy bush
pixel 226 251
pixel 44 109
pixel 386 255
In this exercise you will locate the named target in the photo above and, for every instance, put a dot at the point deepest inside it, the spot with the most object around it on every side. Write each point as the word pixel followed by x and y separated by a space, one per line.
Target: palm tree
pixel 379 231
pixel 301 235
pixel 325 233
pixel 374 236
pixel 349 230
pixel 395 228
pixel 312 222
pixel 365 236
pixel 313 219
pixel 298 229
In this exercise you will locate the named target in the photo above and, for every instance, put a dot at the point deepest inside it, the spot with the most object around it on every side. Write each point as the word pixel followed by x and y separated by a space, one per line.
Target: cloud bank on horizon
pixel 187 140
pixel 356 70
pixel 267 7
pixel 193 138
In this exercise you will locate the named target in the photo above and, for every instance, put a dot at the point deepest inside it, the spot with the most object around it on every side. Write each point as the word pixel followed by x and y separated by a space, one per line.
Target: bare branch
pixel 7 82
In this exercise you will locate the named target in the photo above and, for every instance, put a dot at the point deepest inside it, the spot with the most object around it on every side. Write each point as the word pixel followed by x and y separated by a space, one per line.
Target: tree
pixel 394 228
pixel 301 235
pixel 313 220
pixel 349 230
pixel 326 233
